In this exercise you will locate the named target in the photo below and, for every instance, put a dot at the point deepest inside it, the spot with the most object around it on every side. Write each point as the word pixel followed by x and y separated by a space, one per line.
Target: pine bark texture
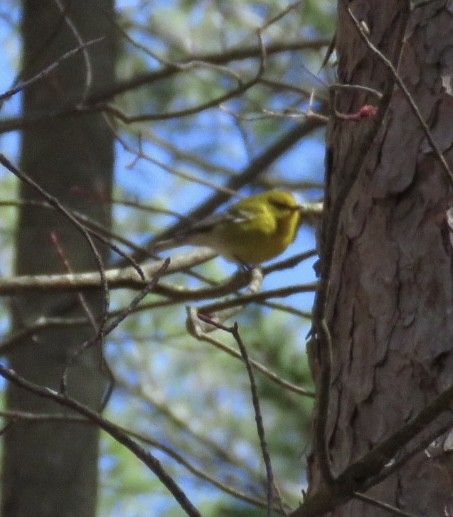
pixel 390 302
pixel 50 468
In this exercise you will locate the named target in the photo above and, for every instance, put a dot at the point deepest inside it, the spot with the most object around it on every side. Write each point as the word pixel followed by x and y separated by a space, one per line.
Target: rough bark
pixel 50 469
pixel 390 300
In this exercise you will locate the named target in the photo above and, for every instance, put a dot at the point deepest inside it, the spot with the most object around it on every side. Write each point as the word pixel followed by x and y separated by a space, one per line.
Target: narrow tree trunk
pixel 390 300
pixel 50 469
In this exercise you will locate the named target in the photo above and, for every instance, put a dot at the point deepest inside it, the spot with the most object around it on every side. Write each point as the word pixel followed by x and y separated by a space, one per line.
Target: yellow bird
pixel 251 231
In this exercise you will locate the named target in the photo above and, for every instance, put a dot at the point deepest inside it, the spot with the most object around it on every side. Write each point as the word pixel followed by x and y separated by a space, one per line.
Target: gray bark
pixel 50 468
pixel 390 300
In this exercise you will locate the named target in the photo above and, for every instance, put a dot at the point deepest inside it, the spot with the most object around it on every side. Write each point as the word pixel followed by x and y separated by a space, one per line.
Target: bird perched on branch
pixel 249 232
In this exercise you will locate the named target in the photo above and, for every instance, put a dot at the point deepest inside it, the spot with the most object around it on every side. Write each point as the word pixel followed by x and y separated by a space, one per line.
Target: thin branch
pixel 371 468
pixel 147 117
pixel 201 474
pixel 397 464
pixel 236 54
pixel 22 85
pixel 258 416
pixel 215 451
pixel 18 338
pixel 66 264
pixel 372 463
pixel 383 506
pixel 169 451
pixel 356 87
pixel 324 336
pixel 109 427
pixel 388 64
pixel 150 286
pixel 52 200
pixel 125 278
pixel 198 332
pixel 86 57
pixel 247 298
pixel 96 230
pixel 140 154
pixel 234 331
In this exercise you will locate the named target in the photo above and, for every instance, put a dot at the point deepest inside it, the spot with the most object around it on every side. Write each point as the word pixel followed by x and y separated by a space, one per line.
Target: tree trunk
pixel 50 468
pixel 389 304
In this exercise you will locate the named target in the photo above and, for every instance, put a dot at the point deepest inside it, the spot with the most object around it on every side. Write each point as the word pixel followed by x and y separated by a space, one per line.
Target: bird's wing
pixel 234 215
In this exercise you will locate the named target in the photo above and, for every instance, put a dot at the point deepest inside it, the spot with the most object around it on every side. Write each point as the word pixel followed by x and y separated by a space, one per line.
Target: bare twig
pixel 247 298
pixel 388 64
pixel 22 85
pixel 86 57
pixel 53 201
pixel 80 296
pixel 258 417
pixel 113 430
pixel 234 331
pixel 198 332
pixel 109 328
pixel 383 506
